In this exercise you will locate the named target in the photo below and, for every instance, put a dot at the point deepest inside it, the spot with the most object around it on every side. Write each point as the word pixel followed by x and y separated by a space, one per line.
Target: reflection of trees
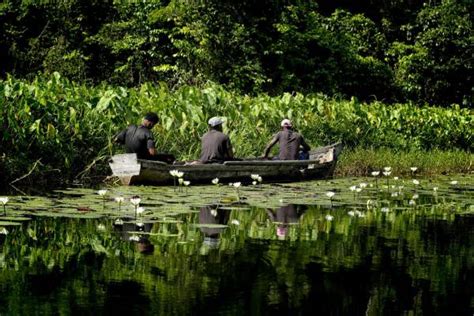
pixel 348 266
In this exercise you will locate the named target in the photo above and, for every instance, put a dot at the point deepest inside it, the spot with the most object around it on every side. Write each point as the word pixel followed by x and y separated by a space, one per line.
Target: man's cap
pixel 286 123
pixel 152 117
pixel 214 121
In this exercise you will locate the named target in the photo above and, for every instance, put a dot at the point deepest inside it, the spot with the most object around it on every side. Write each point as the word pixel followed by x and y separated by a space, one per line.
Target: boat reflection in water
pixel 130 231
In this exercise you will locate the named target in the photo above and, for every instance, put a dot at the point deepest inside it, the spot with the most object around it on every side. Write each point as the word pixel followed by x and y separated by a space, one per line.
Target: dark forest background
pixel 388 50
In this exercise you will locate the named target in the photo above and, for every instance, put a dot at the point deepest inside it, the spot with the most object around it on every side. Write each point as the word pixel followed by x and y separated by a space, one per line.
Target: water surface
pixel 395 247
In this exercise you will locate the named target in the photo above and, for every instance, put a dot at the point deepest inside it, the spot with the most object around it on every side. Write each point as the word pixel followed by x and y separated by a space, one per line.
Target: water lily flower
pixel 394 194
pixel 119 199
pixel 454 182
pixel 395 178
pixel 186 183
pixel 102 192
pixel 358 190
pixel 254 182
pixel 351 213
pixel 231 184
pixel 416 182
pixel 260 179
pixel 363 185
pixel 174 173
pixel 4 200
pixel 235 222
pixel 330 194
pixel 214 212
pixel 140 224
pixel 415 196
pixel 236 184
pixel 353 188
pixel 215 181
pixel 384 209
pixel 254 176
pixel 412 202
pixel 101 227
pixel 387 173
pixel 358 213
pixel 135 200
pixel 134 238
pixel 413 169
pixel 329 217
pixel 180 181
pixel 375 173
pixel 362 215
pixel 140 210
pixel 387 169
pixel 435 189
pixel 3 231
pixel 118 221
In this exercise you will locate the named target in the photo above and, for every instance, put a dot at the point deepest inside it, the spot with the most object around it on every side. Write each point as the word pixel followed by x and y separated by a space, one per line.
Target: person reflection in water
pixel 143 245
pixel 284 216
pixel 212 215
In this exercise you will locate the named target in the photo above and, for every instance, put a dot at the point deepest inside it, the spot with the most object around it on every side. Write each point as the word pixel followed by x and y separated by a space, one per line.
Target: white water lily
pixel 415 196
pixel 180 181
pixel 254 182
pixel 353 188
pixel 351 213
pixel 118 221
pixel 260 179
pixel 135 200
pixel 235 222
pixel 215 181
pixel 237 184
pixel 387 169
pixel 394 194
pixel 119 199
pixel 435 189
pixel 413 169
pixel 140 210
pixel 174 173
pixel 102 192
pixel 454 182
pixel 363 185
pixel 395 178
pixel 330 194
pixel 358 213
pixel 186 183
pixel 375 173
pixel 140 224
pixel 358 190
pixel 134 238
pixel 362 215
pixel 3 231
pixel 101 227
pixel 329 217
pixel 412 202
pixel 387 173
pixel 416 182
pixel 4 200
pixel 214 212
pixel 254 176
pixel 385 210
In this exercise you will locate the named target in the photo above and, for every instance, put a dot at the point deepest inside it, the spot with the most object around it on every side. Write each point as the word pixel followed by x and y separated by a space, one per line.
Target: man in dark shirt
pixel 290 142
pixel 216 146
pixel 139 140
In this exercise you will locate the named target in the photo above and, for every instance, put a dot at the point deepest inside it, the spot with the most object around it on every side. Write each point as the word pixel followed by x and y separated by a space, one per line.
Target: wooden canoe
pixel 321 165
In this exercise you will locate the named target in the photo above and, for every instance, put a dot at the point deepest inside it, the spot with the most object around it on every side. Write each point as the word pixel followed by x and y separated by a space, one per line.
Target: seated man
pixel 139 140
pixel 290 143
pixel 216 146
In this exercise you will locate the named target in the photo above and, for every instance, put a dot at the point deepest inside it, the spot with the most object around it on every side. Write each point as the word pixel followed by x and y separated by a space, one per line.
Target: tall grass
pixel 51 125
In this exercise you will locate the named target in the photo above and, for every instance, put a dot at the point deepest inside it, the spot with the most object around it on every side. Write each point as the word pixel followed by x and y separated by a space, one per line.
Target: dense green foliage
pixel 385 50
pixel 55 125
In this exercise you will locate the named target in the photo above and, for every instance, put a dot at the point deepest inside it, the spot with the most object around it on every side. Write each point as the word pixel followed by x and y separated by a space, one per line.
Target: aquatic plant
pixel 4 201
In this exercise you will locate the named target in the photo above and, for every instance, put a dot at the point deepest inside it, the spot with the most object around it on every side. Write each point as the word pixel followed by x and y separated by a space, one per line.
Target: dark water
pixel 288 260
